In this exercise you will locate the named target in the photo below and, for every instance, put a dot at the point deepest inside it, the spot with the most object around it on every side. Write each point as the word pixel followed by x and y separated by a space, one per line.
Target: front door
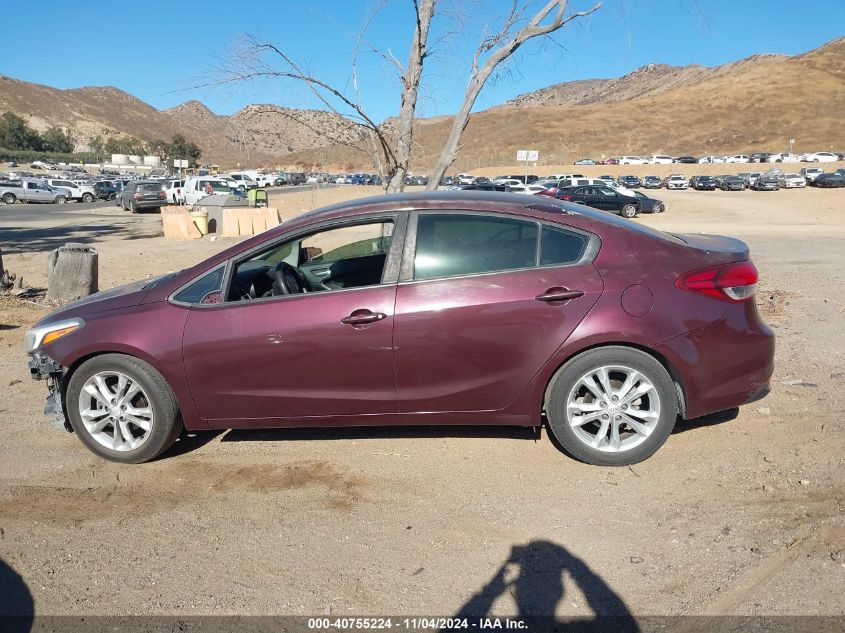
pixel 327 352
pixel 478 318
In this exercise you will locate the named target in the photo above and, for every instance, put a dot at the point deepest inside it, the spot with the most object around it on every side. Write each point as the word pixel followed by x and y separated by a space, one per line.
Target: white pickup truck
pixel 198 187
pixel 31 190
pixel 82 193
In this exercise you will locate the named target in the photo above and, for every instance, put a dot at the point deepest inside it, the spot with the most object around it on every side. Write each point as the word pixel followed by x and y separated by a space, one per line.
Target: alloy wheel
pixel 613 408
pixel 116 411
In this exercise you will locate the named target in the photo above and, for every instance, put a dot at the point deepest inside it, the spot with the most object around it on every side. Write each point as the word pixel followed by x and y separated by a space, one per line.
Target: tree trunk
pixel 410 90
pixel 71 273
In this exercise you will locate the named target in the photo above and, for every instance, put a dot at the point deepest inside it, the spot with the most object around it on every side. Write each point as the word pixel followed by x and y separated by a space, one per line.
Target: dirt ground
pixel 731 516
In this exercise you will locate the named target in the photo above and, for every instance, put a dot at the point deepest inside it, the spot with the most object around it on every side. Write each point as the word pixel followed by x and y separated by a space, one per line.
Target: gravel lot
pixel 734 515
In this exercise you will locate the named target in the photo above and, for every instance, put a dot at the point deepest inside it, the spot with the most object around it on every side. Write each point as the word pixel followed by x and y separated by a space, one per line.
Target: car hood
pixel 125 296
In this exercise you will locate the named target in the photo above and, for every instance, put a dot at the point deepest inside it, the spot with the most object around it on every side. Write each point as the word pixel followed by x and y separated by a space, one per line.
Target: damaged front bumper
pixel 42 367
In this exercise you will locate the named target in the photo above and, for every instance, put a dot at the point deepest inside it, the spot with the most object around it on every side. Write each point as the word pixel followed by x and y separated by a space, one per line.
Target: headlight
pixel 42 335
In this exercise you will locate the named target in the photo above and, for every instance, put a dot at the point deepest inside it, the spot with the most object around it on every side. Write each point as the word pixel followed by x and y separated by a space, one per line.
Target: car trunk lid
pixel 719 248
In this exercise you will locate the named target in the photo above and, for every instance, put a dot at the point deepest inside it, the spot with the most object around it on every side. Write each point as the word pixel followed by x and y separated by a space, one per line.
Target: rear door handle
pixel 559 294
pixel 362 317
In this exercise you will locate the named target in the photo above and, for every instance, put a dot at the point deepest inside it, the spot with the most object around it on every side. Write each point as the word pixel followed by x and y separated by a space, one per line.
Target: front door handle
pixel 559 294
pixel 363 317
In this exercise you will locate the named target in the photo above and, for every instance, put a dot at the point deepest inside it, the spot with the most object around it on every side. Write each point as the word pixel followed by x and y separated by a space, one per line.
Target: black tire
pixel 87 197
pixel 567 378
pixel 133 207
pixel 61 199
pixel 112 196
pixel 9 198
pixel 167 423
pixel 629 210
pixel 657 208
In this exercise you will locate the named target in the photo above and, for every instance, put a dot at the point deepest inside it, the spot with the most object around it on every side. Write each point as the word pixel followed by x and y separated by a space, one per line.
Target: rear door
pixel 483 304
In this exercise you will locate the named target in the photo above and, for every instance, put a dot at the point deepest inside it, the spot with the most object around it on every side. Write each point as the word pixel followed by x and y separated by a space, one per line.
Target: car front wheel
pixel 122 408
pixel 611 406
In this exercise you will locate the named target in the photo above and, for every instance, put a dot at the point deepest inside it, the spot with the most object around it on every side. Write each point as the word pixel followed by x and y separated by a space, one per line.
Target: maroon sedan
pixel 434 308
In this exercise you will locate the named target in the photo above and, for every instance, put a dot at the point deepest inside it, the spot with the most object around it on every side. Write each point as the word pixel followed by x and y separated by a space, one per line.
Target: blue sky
pixel 158 51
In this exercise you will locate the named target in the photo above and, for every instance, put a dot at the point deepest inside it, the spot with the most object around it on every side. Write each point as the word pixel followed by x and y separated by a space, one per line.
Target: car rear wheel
pixel 122 409
pixel 611 406
pixel 629 210
pixel 87 197
pixel 9 198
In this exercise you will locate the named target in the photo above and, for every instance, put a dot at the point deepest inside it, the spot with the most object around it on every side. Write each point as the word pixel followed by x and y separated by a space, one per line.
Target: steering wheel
pixel 289 280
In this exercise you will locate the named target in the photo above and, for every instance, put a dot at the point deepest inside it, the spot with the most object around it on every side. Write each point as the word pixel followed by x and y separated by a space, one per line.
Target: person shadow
pixel 533 575
pixel 17 607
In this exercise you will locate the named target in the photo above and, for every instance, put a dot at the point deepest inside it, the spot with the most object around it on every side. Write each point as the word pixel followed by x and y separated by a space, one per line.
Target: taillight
pixel 732 282
pixel 566 197
pixel 162 195
pixel 137 196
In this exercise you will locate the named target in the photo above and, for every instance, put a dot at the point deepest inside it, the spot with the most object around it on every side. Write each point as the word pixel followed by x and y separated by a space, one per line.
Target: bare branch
pixel 494 50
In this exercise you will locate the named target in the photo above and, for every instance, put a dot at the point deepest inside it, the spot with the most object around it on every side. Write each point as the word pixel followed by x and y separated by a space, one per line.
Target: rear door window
pixel 450 245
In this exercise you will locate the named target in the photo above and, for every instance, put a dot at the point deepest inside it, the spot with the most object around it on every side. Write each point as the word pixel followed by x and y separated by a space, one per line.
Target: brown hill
pixel 755 104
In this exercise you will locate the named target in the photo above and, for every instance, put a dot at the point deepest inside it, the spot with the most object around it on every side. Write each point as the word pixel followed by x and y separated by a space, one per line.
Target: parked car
pixel 810 173
pixel 677 181
pixel 703 183
pixel 791 181
pixel 828 180
pixel 585 161
pixel 759 157
pixel 265 180
pixel 140 195
pixel 710 160
pixel 784 157
pixel 31 190
pixel 660 159
pixel 642 344
pixel 244 181
pixel 105 189
pixel 526 179
pixel 484 186
pixel 688 160
pixel 583 182
pixel 173 191
pixel 732 183
pixel 766 182
pixel 603 198
pixel 630 181
pixel 632 160
pixel 819 157
pixel 196 188
pixel 649 205
pixel 529 190
pixel 81 193
pixel 652 182
pixel 737 158
pixel 751 178
pixel 610 161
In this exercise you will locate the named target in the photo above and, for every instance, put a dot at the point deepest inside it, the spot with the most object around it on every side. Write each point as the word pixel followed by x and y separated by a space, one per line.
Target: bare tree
pixel 391 151
pixel 492 51
pixel 390 147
